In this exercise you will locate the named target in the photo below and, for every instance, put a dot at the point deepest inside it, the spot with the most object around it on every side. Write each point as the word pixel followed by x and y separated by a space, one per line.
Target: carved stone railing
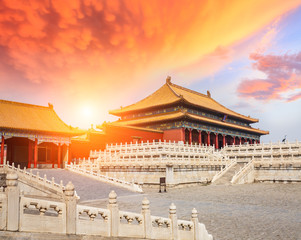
pixel 24 214
pixel 162 154
pixel 92 220
pixel 103 178
pixel 38 215
pixel 153 154
pixel 34 179
pixel 263 148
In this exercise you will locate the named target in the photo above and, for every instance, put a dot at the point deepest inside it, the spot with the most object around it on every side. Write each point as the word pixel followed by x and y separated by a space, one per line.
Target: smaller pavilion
pixel 33 136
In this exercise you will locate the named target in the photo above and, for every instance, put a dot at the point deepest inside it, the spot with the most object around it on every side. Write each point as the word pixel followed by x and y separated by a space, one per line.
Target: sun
pixel 87 111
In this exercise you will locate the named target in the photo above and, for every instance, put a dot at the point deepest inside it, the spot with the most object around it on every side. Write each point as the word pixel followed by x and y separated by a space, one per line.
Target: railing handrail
pixel 241 173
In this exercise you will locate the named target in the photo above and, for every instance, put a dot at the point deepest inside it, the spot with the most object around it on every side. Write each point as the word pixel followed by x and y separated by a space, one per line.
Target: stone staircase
pixel 226 178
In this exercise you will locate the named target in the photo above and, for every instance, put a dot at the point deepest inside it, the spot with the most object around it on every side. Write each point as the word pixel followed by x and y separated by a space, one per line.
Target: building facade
pixel 33 136
pixel 189 116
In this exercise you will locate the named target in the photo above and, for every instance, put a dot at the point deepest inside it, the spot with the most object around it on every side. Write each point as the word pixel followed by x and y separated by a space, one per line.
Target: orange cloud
pixel 283 75
pixel 101 46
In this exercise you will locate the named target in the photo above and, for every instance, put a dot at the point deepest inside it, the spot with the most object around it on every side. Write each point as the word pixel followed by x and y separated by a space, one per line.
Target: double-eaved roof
pixel 171 93
pixel 15 116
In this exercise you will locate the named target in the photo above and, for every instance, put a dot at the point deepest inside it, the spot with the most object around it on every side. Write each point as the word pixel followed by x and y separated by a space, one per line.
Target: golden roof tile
pixel 171 93
pixel 16 116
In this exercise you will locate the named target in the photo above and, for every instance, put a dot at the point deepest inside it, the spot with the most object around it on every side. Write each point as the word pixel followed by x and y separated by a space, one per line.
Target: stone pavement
pixel 86 188
pixel 251 211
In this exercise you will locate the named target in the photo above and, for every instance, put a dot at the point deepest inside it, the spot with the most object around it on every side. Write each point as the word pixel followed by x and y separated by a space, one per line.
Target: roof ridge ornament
pixel 168 80
pixel 208 94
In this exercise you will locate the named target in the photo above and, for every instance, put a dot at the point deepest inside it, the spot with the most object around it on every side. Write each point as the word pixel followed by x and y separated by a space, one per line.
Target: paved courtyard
pixel 252 211
pixel 86 188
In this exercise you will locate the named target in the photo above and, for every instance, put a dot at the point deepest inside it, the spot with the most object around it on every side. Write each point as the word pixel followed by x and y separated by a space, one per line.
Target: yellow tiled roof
pixel 22 116
pixel 207 102
pixel 162 96
pixel 182 114
pixel 171 93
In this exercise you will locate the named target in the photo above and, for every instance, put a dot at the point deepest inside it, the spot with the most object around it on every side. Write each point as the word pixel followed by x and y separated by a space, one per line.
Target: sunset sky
pixel 87 57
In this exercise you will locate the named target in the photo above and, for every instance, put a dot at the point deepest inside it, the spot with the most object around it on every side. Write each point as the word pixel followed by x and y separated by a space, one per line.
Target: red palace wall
pixel 113 135
pixel 173 135
pixel 81 149
pixel 116 134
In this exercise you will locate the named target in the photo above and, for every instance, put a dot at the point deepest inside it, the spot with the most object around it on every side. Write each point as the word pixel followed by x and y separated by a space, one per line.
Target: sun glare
pixel 87 111
pixel 86 116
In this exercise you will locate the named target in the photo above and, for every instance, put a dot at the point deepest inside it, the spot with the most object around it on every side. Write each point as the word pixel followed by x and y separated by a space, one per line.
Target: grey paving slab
pixel 250 211
pixel 85 187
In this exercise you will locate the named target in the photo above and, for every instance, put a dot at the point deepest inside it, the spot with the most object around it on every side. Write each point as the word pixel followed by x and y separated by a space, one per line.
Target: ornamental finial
pixel 208 94
pixel 168 79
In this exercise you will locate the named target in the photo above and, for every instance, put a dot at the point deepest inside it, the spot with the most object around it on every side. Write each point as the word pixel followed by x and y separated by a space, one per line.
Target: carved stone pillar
pixel 195 220
pixel 147 219
pixel 13 203
pixel 71 201
pixel 114 214
pixel 174 221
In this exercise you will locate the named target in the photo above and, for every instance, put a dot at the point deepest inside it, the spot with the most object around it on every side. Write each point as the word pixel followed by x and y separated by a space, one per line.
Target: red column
pixel 208 138
pixel 59 156
pixel 29 154
pixel 224 140
pixel 183 135
pixel 190 136
pixel 69 153
pixel 52 156
pixel 240 140
pixel 216 141
pixel 35 156
pixel 233 140
pixel 200 137
pixel 2 150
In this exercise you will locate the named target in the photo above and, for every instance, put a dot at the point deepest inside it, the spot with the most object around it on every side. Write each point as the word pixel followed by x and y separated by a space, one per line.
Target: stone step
pixel 227 177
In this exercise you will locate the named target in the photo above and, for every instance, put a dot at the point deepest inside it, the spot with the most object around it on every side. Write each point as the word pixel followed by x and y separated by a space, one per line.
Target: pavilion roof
pixel 182 115
pixel 171 93
pixel 16 116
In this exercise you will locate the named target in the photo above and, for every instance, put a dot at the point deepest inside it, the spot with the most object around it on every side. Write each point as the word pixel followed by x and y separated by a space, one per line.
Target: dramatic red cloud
pixel 283 75
pixel 91 50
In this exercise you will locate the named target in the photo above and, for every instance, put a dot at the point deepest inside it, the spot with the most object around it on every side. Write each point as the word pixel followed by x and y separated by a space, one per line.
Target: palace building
pixel 33 136
pixel 181 114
